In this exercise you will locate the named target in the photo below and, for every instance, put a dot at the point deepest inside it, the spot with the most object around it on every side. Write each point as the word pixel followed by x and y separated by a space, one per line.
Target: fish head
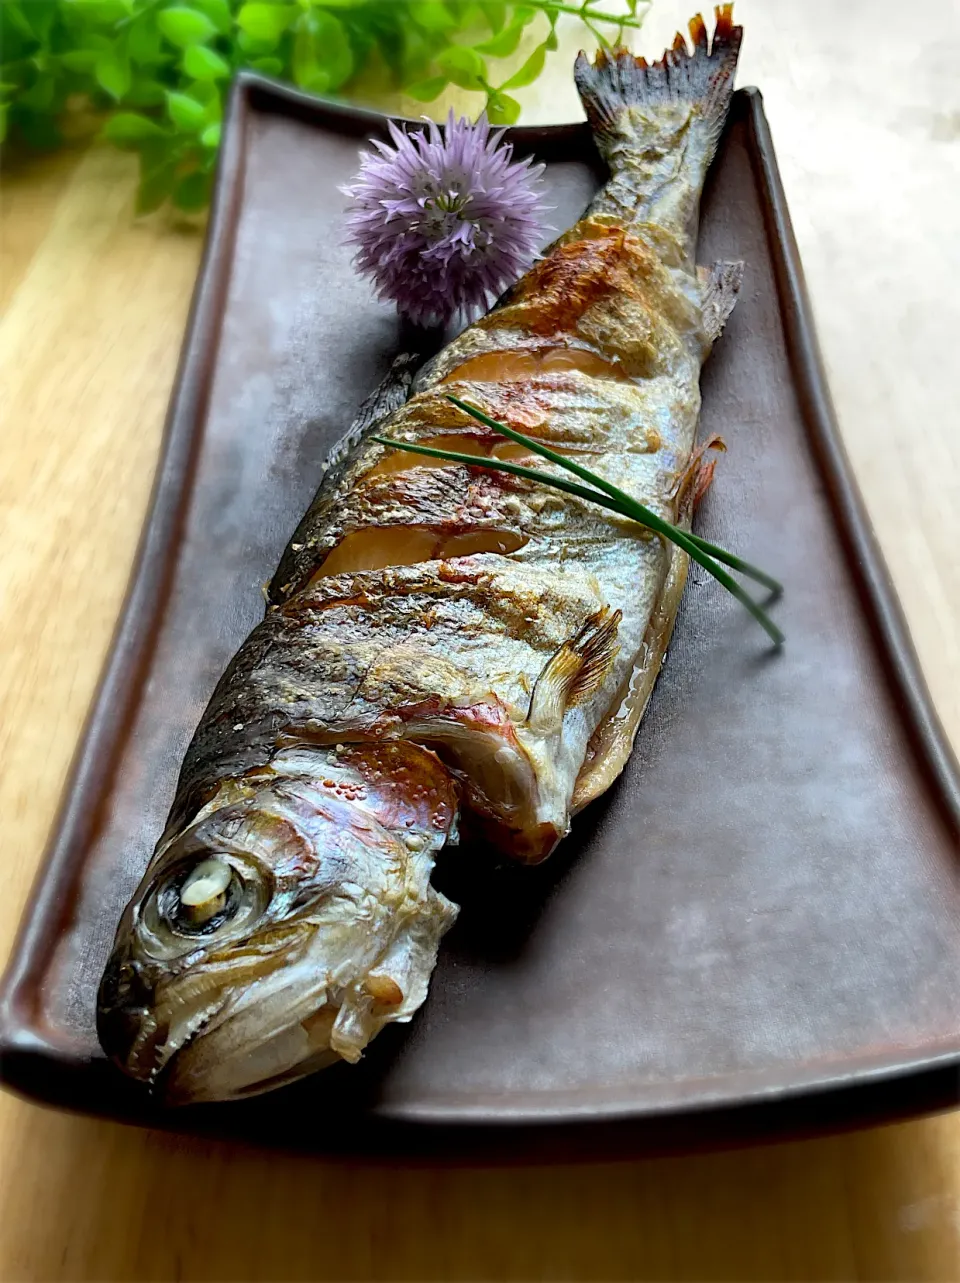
pixel 283 927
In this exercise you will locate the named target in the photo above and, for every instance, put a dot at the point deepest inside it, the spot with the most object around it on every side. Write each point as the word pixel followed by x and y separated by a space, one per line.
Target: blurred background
pixel 864 103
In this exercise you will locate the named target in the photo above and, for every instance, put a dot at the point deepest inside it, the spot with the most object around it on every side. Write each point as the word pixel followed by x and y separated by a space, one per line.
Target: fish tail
pixel 619 80
pixel 644 116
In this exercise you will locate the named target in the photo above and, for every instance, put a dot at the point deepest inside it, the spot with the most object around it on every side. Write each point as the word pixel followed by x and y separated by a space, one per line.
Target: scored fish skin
pixel 440 638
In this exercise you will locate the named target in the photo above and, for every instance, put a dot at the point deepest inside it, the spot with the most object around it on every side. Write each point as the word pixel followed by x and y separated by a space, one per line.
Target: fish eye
pixel 200 898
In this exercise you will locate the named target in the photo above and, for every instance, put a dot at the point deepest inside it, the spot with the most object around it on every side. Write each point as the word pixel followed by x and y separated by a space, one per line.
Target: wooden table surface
pixel 864 101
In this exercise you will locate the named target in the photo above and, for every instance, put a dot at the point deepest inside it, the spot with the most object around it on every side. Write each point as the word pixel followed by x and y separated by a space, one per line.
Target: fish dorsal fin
pixel 574 672
pixel 721 287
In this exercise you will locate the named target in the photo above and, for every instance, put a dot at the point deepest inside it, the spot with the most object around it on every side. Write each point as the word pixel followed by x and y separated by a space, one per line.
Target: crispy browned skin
pixel 506 636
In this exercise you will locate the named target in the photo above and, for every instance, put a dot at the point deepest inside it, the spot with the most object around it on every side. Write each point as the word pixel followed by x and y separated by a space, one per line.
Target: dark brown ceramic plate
pixel 758 927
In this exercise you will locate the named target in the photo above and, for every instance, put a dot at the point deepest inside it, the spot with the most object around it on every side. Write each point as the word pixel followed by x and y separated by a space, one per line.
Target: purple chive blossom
pixel 443 223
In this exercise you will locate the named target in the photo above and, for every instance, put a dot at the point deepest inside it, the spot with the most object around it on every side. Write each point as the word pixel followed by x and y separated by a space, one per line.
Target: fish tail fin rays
pixel 618 80
pixel 644 115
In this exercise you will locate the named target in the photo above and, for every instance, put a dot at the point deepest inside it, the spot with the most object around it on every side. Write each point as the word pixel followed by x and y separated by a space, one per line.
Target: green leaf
pixel 145 92
pixel 203 64
pixel 502 109
pixel 427 90
pixel 208 94
pixel 37 131
pixel 322 56
pixel 211 135
pixel 305 65
pixel 157 153
pixel 392 44
pixel 14 16
pixel 609 496
pixel 4 110
pixel 127 128
pixel 184 27
pixel 81 61
pixel 42 15
pixel 13 47
pixel 93 40
pixel 193 192
pixel 218 11
pixel 144 43
pixel 505 43
pixel 156 186
pixel 470 14
pixel 252 47
pixel 266 22
pixel 463 66
pixel 39 97
pixel 496 14
pixel 101 12
pixel 337 59
pixel 113 73
pixel 431 15
pixel 187 114
pixel 269 66
pixel 529 71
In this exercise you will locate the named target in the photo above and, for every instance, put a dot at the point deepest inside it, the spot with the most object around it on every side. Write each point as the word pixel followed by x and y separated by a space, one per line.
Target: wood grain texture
pixel 865 111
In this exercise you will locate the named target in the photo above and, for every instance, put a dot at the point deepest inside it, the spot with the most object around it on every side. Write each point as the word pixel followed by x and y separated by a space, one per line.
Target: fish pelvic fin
pixel 574 672
pixel 720 285
pixel 695 480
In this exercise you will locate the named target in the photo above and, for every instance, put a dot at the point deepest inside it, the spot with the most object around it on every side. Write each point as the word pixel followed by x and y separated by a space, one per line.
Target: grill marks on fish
pixel 445 654
pixel 591 404
pixel 556 293
pixel 570 412
pixel 484 445
pixel 400 509
pixel 350 651
pixel 376 547
pixel 533 364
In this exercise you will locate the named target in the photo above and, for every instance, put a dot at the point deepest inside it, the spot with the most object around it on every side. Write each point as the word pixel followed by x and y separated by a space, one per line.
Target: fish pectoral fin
pixel 720 286
pixel 574 672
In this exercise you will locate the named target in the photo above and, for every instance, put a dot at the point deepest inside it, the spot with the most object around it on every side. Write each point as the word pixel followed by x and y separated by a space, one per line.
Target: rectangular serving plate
pixel 757 930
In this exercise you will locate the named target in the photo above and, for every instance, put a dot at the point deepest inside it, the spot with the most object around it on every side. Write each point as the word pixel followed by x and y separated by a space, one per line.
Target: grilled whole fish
pixel 443 644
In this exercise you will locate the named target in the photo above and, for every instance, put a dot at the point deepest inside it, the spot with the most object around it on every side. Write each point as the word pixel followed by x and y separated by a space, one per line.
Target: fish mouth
pixel 225 1032
pixel 143 1039
pixel 212 1067
pixel 173 1060
pixel 126 1027
pixel 146 1025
